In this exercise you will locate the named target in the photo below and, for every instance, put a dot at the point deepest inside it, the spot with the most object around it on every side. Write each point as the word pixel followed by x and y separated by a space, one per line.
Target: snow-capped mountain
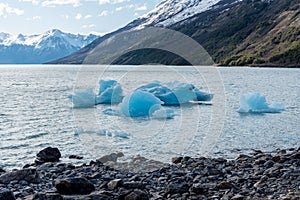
pixel 233 32
pixel 40 48
pixel 170 12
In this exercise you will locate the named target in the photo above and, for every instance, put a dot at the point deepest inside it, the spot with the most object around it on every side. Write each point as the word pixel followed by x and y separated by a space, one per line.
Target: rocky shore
pixel 256 176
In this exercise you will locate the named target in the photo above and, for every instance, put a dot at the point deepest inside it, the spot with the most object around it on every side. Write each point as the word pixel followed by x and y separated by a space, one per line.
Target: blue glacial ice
pixel 110 91
pixel 83 98
pixel 140 103
pixel 175 93
pixel 163 114
pixel 256 103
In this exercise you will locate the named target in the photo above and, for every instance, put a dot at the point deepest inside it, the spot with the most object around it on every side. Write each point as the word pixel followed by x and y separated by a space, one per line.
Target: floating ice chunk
pixel 112 112
pixel 175 93
pixel 164 114
pixel 83 98
pixel 202 96
pixel 256 103
pixel 140 103
pixel 110 91
pixel 102 132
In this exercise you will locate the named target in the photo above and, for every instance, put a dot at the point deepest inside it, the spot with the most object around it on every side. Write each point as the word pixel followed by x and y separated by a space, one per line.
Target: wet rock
pixel 6 194
pixel 2 170
pixel 74 186
pixel 113 157
pixel 30 175
pixel 177 160
pixel 47 196
pixel 238 197
pixel 177 188
pixel 48 154
pixel 137 195
pixel 76 157
pixel 224 185
pixel 115 183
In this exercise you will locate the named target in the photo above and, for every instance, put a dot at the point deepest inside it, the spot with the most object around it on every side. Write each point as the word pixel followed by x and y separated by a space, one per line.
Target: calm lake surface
pixel 35 113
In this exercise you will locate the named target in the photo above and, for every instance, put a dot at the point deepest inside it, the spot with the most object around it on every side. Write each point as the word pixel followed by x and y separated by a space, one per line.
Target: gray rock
pixel 74 186
pixel 113 157
pixel 238 197
pixel 47 196
pixel 137 195
pixel 6 194
pixel 177 188
pixel 49 154
pixel 115 183
pixel 30 175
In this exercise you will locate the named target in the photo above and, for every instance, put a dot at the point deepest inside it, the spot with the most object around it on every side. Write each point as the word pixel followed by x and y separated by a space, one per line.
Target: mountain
pixel 234 32
pixel 35 49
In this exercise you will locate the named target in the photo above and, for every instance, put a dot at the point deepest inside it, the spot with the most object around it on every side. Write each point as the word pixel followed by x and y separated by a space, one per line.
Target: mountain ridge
pixel 40 48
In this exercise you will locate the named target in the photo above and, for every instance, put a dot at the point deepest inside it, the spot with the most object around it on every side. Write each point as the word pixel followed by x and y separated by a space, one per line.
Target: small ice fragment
pixel 164 114
pixel 256 103
pixel 112 112
pixel 83 98
pixel 202 96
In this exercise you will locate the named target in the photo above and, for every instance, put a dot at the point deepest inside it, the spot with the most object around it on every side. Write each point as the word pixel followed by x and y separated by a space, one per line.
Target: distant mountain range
pixel 234 32
pixel 35 49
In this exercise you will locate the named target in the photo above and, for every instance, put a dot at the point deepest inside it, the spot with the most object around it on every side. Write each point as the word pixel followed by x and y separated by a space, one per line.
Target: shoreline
pixel 257 176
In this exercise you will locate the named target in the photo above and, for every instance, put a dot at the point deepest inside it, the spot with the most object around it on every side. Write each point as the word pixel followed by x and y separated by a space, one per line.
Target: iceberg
pixel 163 114
pixel 140 103
pixel 83 98
pixel 256 103
pixel 110 91
pixel 175 93
pixel 202 96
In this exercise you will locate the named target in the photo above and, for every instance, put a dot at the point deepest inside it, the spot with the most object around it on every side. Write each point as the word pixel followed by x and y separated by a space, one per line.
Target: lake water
pixel 35 113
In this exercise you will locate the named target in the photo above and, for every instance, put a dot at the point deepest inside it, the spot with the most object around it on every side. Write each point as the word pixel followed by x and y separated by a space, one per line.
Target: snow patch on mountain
pixel 170 12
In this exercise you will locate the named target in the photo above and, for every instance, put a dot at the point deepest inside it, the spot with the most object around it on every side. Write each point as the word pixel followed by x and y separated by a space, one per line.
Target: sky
pixel 73 16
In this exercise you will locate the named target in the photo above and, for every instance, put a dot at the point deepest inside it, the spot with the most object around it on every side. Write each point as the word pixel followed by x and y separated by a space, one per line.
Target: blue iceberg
pixel 175 93
pixel 83 98
pixel 140 103
pixel 110 91
pixel 256 103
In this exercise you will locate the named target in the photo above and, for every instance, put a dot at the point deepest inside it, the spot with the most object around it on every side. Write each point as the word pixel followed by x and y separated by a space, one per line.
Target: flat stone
pixel 74 186
pixel 137 195
pixel 47 196
pixel 30 175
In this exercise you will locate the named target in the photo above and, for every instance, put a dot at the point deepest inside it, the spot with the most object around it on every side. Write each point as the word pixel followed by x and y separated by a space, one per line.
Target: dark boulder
pixel 74 186
pixel 6 194
pixel 48 154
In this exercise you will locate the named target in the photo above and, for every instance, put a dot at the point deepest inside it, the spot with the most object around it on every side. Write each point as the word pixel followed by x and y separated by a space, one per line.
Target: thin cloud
pixel 65 16
pixel 103 13
pixel 87 16
pixel 5 10
pixel 78 16
pixel 34 2
pixel 102 2
pixel 74 3
pixel 141 8
pixel 89 26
